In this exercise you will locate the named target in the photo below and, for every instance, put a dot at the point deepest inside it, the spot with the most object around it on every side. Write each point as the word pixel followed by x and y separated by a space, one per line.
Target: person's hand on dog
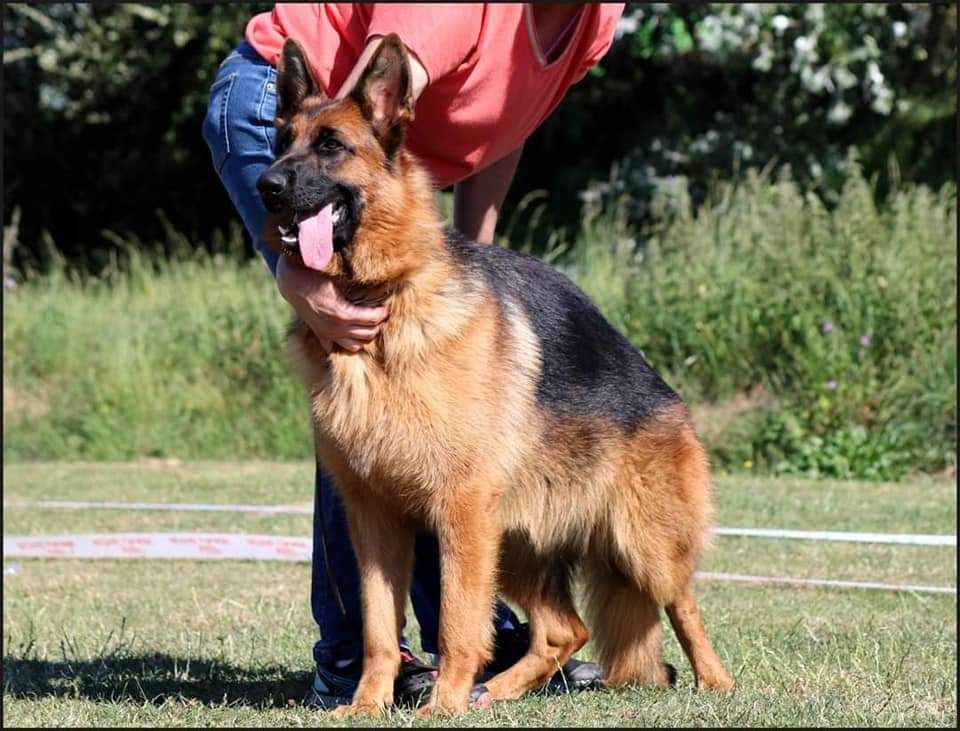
pixel 324 308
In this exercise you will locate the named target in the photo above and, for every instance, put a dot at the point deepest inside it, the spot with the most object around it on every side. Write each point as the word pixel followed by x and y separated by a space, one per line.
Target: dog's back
pixel 588 368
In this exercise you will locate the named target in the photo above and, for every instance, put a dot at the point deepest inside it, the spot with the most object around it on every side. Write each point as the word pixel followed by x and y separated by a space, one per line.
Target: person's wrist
pixel 297 299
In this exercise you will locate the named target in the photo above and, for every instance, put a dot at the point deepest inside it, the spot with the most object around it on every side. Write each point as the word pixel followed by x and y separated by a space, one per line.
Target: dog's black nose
pixel 272 184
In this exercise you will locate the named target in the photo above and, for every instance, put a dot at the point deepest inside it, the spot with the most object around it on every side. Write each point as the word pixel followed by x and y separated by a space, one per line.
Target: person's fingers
pixel 338 322
pixel 329 329
pixel 332 318
pixel 362 316
pixel 350 345
pixel 318 326
pixel 366 334
pixel 328 301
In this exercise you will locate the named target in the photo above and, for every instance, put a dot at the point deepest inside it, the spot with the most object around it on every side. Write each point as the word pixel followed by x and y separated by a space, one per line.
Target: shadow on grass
pixel 155 679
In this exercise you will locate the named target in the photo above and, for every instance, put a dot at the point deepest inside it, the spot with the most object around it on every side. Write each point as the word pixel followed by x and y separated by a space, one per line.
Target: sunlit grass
pixel 227 643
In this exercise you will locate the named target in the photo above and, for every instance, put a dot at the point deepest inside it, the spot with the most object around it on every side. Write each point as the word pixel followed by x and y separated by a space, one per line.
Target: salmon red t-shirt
pixel 490 83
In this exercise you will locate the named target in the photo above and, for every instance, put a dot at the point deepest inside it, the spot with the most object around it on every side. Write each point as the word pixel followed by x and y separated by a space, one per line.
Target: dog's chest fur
pixel 413 416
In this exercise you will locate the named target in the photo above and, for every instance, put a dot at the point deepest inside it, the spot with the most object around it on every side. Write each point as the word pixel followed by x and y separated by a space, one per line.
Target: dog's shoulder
pixel 588 368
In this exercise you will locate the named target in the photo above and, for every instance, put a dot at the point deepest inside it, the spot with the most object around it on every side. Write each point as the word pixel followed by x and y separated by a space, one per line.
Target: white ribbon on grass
pixel 913 539
pixel 227 546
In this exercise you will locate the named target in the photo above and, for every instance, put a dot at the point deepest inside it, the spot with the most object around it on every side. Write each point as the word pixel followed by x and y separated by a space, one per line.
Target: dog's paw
pixel 356 709
pixel 718 682
pixel 436 710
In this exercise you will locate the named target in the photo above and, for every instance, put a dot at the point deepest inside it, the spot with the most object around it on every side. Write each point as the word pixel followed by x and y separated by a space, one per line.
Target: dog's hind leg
pixel 688 625
pixel 556 633
pixel 625 623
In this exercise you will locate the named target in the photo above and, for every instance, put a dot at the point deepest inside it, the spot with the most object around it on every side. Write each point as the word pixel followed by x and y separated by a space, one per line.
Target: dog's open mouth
pixel 313 233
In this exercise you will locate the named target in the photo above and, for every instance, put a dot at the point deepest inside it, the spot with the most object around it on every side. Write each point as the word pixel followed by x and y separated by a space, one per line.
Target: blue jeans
pixel 239 131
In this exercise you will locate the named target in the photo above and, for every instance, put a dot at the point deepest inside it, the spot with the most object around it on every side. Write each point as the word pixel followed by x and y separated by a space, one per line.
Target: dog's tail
pixel 624 623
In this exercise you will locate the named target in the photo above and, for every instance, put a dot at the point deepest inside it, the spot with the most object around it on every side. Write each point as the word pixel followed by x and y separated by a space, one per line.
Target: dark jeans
pixel 239 130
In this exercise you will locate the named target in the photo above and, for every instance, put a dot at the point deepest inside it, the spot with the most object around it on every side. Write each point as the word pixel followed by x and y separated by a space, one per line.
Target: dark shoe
pixel 333 686
pixel 511 645
pixel 414 682
pixel 575 675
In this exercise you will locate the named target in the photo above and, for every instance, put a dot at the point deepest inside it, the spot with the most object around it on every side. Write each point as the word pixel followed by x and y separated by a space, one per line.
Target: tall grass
pixel 181 356
pixel 843 320
pixel 833 332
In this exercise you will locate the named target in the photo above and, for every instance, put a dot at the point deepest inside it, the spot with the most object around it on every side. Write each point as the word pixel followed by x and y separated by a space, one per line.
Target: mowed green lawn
pixel 192 643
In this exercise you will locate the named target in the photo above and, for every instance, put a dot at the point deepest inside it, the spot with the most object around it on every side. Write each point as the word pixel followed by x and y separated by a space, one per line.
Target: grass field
pixel 177 643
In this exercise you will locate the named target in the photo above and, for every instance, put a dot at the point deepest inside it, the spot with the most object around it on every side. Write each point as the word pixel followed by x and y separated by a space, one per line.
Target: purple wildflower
pixel 9 282
pixel 865 340
pixel 826 327
pixel 830 385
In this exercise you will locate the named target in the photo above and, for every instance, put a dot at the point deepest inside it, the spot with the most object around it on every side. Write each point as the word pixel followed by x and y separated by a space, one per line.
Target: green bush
pixel 103 104
pixel 826 338
pixel 846 317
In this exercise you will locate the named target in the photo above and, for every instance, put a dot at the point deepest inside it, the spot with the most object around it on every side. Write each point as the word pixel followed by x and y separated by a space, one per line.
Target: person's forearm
pixel 477 200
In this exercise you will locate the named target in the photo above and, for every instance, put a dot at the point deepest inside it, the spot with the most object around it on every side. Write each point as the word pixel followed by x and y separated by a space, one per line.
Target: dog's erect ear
pixel 295 80
pixel 385 92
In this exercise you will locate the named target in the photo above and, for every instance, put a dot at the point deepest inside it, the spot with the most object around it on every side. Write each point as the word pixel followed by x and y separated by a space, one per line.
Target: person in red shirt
pixel 485 76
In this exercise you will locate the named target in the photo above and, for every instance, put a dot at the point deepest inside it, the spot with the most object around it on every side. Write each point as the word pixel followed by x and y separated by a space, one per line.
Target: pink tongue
pixel 316 238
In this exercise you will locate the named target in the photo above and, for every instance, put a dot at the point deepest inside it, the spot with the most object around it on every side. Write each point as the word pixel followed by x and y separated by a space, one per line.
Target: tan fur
pixel 436 424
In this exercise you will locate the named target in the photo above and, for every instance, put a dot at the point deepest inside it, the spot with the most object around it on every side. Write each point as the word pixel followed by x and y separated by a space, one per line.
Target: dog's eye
pixel 331 144
pixel 283 142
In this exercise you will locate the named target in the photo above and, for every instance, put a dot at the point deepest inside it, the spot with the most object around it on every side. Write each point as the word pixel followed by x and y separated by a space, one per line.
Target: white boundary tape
pixel 207 546
pixel 793 581
pixel 912 539
pixel 177 507
pixel 161 545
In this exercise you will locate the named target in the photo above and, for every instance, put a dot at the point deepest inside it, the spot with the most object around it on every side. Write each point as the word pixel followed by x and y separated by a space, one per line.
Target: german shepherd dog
pixel 496 408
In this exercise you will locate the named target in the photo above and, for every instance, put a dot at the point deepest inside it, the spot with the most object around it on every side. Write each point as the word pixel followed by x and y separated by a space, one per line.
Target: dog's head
pixel 336 163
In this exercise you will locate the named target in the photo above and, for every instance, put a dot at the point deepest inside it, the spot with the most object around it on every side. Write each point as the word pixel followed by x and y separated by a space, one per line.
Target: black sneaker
pixel 511 645
pixel 414 682
pixel 334 686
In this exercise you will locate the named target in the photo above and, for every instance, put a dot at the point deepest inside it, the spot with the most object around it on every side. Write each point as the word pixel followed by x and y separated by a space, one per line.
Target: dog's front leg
pixel 383 543
pixel 469 537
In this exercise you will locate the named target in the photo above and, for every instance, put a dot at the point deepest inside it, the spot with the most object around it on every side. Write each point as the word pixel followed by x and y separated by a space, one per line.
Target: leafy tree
pixel 103 104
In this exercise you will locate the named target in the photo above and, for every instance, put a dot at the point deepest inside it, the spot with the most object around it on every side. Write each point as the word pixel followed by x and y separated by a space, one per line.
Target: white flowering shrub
pixel 718 88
